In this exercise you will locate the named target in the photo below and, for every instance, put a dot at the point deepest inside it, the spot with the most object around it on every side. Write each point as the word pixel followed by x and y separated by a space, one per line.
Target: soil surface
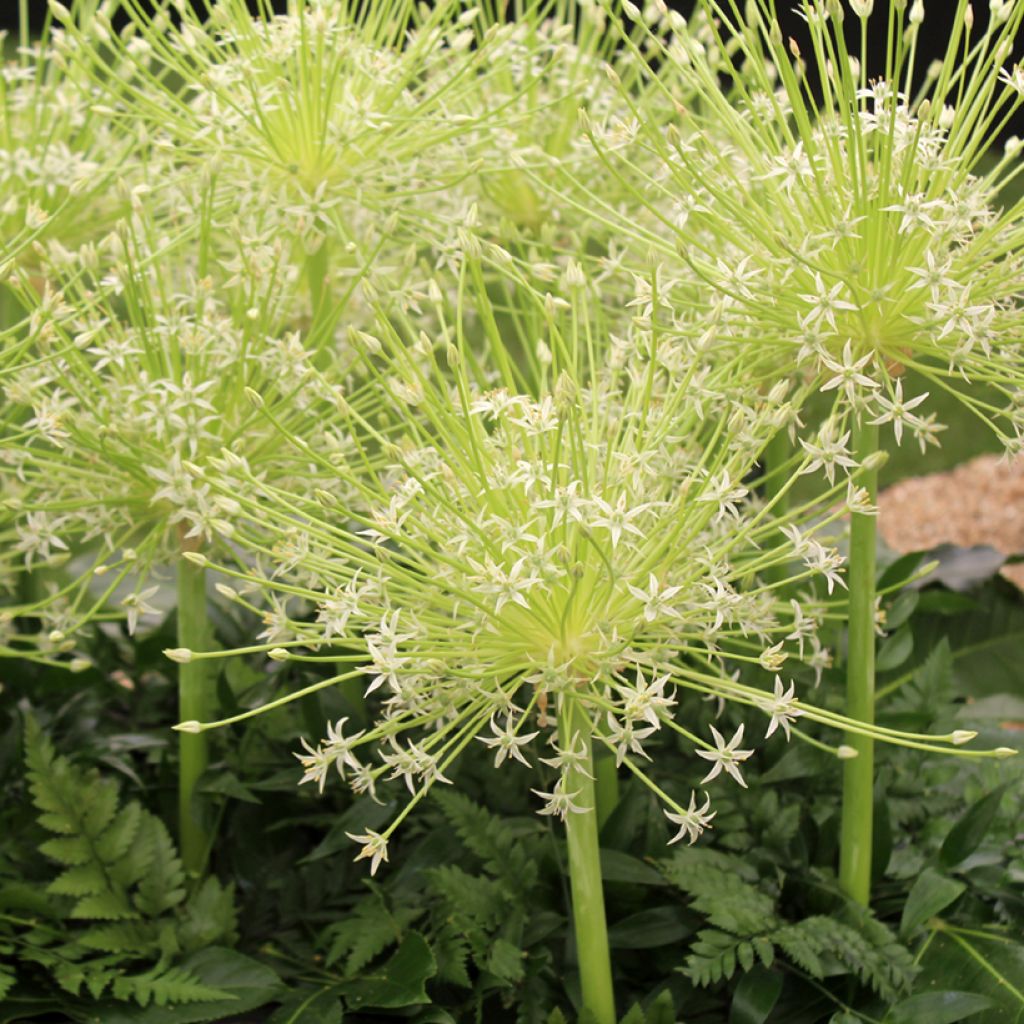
pixel 979 502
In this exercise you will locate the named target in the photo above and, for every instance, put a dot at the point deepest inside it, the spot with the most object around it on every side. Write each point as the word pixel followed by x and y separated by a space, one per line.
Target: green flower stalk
pixel 851 232
pixel 528 556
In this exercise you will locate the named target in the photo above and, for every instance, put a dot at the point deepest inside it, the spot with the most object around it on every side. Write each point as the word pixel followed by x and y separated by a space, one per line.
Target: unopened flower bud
pixel 962 736
pixel 79 664
pixel 191 727
pixel 845 753
pixel 862 8
pixel 197 558
pixel 180 655
pixel 277 654
pixel 917 12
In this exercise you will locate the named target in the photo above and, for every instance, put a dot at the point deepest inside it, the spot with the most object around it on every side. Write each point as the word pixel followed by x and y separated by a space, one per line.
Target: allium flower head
pixel 848 224
pixel 140 382
pixel 581 540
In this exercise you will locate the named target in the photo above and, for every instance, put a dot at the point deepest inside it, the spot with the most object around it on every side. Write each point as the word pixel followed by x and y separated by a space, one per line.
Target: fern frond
pixel 713 957
pixel 490 838
pixel 717 891
pixel 451 951
pixel 165 985
pixel 162 887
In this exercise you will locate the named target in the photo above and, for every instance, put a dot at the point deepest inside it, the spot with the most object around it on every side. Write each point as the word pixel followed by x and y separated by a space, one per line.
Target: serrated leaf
pixel 104 906
pixel 115 842
pixel 81 880
pixel 250 984
pixel 930 894
pixel 506 961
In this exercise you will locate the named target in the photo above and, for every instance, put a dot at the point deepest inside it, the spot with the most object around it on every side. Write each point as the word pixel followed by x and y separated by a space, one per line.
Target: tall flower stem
pixel 776 454
pixel 591 927
pixel 318 266
pixel 196 702
pixel 606 785
pixel 858 772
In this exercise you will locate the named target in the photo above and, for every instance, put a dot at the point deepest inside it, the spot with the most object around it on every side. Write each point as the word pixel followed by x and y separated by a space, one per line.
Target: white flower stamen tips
pixel 781 707
pixel 558 803
pixel 506 743
pixel 726 757
pixel 693 821
pixel 374 848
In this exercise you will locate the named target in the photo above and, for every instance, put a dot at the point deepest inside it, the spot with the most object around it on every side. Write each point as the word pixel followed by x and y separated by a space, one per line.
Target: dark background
pixel 934 36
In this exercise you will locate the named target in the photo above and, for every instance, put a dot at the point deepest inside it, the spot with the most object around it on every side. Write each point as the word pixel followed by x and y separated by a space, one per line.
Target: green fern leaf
pixel 162 887
pixel 164 986
pixel 451 953
pixel 491 839
pixel 712 958
pixel 72 851
pixel 129 937
pixel 116 840
pixel 8 979
pixel 80 880
pixel 104 906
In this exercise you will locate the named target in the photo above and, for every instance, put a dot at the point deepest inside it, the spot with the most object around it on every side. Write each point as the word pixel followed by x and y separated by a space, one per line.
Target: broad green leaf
pixel 617 866
pixel 895 650
pixel 969 832
pixel 755 996
pixel 930 894
pixel 648 929
pixel 897 573
pixel 399 982
pixel 800 761
pixel 901 609
pixel 309 1006
pixel 938 1008
pixel 987 966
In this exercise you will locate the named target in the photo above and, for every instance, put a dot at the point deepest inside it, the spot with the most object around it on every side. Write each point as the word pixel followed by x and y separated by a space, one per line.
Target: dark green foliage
pixel 469 921
pixel 113 916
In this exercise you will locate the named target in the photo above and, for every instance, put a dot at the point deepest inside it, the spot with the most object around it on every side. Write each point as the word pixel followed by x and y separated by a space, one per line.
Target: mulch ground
pixel 979 502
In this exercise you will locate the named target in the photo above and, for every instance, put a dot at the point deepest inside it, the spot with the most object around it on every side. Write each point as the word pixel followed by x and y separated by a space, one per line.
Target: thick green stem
pixel 196 702
pixel 606 785
pixel 776 453
pixel 318 267
pixel 858 773
pixel 591 928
